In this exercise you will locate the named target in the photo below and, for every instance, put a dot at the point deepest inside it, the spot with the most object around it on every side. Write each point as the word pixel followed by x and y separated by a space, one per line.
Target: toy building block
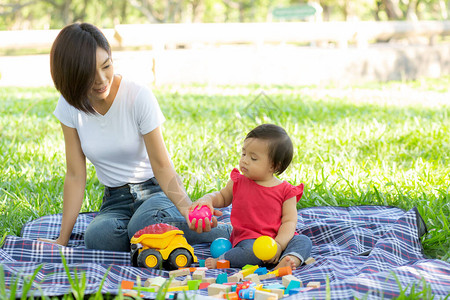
pixel 155 281
pixel 231 296
pixel 179 272
pixel 261 295
pixel 267 276
pixel 313 284
pixel 293 291
pixel 288 278
pixel 186 279
pixel 126 285
pixel 193 284
pixel 249 270
pixel 253 277
pixel 174 283
pixel 201 263
pixel 310 261
pixel 279 292
pixel 261 271
pixel 237 277
pixel 209 280
pixel 178 288
pixel 222 278
pixel 293 284
pixel 284 271
pixel 223 264
pixel 203 285
pixel 198 275
pixel 214 289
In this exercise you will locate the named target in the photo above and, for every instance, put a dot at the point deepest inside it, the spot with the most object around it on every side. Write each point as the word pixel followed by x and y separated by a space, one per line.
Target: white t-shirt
pixel 114 142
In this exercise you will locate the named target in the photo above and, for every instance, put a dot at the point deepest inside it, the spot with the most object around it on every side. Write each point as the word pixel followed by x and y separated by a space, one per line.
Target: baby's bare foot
pixel 211 263
pixel 289 260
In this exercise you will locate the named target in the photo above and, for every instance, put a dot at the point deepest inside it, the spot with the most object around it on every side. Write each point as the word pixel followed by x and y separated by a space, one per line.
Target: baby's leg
pixel 296 252
pixel 211 263
pixel 289 260
pixel 239 256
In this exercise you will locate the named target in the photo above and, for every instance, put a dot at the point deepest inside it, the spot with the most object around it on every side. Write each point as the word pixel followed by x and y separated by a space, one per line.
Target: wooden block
pixel 186 279
pixel 237 277
pixel 231 296
pixel 267 276
pixel 158 281
pixel 279 292
pixel 310 261
pixel 313 284
pixel 209 280
pixel 198 275
pixel 248 271
pixel 261 295
pixel 148 282
pixel 253 278
pixel 223 264
pixel 179 272
pixel 284 271
pixel 287 279
pixel 193 284
pixel 178 288
pixel 175 283
pixel 214 289
pixel 261 271
pixel 222 278
pixel 293 284
pixel 126 285
pixel 203 285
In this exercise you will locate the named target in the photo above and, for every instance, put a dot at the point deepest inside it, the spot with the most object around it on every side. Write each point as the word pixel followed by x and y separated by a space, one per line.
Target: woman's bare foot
pixel 211 263
pixel 289 260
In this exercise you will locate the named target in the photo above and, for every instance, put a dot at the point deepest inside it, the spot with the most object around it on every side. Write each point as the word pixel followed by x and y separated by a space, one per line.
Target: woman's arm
pixel 74 184
pixel 287 228
pixel 164 172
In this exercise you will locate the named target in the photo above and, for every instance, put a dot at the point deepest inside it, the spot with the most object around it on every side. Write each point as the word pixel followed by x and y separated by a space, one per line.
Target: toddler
pixel 262 204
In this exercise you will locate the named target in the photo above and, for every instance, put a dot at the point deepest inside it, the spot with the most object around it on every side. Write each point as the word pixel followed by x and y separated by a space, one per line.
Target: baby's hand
pixel 275 259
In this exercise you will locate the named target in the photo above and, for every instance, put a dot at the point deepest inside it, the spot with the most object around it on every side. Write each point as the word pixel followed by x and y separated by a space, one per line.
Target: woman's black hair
pixel 73 62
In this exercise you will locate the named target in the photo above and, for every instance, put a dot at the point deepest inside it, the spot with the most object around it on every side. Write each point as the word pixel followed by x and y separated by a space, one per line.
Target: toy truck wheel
pixel 149 258
pixel 134 257
pixel 180 258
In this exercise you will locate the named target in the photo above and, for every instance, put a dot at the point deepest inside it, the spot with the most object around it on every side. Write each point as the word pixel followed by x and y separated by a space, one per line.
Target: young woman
pixel 263 205
pixel 116 124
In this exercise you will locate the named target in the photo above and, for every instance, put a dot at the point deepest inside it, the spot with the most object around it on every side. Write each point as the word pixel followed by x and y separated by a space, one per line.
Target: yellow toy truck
pixel 159 244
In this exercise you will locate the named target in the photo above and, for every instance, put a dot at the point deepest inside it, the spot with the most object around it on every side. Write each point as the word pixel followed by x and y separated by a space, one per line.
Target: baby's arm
pixel 288 225
pixel 213 200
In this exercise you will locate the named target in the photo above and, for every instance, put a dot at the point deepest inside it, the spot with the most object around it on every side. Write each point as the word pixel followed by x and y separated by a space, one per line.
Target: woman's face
pixel 104 75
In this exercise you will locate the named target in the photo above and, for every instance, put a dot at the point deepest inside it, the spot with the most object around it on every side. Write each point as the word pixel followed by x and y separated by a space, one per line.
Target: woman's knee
pixel 107 234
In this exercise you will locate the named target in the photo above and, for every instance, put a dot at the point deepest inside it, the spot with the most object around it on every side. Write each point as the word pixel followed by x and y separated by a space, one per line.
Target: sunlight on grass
pixel 350 148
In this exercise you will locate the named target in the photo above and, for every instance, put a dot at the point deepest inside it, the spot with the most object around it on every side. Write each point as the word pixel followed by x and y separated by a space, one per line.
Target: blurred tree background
pixel 54 14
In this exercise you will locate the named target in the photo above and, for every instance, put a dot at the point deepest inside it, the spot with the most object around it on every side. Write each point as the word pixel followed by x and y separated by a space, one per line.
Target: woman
pixel 115 123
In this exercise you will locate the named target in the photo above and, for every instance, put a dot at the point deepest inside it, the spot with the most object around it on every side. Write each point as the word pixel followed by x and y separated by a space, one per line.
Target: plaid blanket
pixel 368 252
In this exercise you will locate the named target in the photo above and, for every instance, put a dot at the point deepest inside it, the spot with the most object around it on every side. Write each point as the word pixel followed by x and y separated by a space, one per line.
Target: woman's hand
pixel 57 241
pixel 204 201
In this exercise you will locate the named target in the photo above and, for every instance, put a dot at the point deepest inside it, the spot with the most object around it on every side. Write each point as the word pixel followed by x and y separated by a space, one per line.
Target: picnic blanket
pixel 368 252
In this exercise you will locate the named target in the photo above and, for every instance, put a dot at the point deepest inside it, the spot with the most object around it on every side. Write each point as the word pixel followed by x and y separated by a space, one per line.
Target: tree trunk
pixel 411 13
pixel 393 10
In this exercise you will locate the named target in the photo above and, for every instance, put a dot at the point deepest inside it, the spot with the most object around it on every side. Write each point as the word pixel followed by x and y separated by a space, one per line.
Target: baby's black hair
pixel 281 149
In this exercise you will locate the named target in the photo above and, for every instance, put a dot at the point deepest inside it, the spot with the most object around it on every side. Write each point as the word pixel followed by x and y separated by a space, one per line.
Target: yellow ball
pixel 265 247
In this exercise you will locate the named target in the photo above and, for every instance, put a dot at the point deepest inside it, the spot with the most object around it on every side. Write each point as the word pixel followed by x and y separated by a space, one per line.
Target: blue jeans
pixel 127 209
pixel 242 254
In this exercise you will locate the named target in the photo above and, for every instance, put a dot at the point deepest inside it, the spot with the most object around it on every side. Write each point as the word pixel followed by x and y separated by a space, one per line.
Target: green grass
pixel 348 151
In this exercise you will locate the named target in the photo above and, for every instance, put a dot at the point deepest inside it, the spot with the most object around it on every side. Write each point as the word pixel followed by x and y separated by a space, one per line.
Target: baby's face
pixel 255 162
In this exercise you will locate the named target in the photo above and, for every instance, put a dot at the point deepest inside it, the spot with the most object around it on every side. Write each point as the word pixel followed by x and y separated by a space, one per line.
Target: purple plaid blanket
pixel 368 252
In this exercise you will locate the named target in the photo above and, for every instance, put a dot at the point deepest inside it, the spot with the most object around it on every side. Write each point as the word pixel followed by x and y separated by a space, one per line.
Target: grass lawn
pixel 381 144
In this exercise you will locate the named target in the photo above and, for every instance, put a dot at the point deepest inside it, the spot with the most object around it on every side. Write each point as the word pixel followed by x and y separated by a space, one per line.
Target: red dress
pixel 256 209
